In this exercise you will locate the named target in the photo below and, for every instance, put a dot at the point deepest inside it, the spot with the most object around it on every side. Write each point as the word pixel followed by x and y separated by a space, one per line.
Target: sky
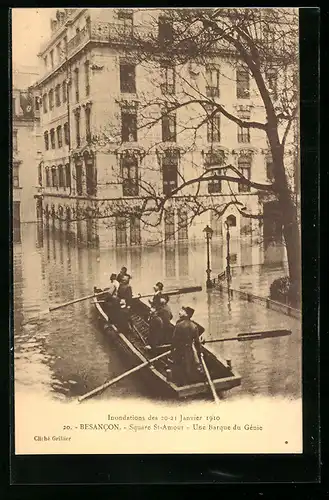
pixel 30 28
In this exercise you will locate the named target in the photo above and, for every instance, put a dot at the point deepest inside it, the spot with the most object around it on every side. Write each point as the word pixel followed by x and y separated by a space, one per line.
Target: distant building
pixel 25 145
pixel 98 157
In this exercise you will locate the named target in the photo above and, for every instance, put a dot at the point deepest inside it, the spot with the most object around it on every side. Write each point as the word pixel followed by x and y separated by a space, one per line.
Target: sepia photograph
pixel 156 230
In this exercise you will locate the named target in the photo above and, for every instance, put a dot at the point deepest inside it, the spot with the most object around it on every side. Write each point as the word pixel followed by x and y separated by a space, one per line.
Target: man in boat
pixel 186 348
pixel 155 333
pixel 112 290
pixel 165 314
pixel 111 300
pixel 155 301
pixel 125 290
pixel 123 273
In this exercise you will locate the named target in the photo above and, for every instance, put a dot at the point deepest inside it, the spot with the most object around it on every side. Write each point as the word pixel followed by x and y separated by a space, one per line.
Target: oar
pixel 120 377
pixel 252 336
pixel 64 304
pixel 86 297
pixel 243 336
pixel 210 382
pixel 177 291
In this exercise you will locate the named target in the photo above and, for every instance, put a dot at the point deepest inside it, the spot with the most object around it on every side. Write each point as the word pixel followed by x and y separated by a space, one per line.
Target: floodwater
pixel 64 354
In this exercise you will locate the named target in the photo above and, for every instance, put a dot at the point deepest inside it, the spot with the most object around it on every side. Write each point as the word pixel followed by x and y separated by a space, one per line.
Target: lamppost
pixel 208 232
pixel 228 267
pixel 228 237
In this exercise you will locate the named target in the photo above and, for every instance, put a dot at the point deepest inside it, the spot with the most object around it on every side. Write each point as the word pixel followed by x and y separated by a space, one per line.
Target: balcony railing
pixel 107 32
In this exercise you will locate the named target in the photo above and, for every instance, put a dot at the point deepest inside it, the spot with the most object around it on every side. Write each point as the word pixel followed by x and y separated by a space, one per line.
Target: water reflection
pixel 66 354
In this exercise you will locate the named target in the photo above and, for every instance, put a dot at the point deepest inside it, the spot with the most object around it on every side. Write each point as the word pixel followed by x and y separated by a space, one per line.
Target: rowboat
pixel 132 343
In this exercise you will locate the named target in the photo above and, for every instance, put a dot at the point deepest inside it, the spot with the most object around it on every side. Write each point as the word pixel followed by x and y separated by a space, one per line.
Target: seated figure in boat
pixel 155 333
pixel 123 273
pixel 111 299
pixel 186 349
pixel 165 314
pixel 122 317
pixel 125 290
pixel 155 301
pixel 112 290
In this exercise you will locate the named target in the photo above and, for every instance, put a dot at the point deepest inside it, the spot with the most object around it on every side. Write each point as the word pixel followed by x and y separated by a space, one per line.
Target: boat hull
pixel 154 374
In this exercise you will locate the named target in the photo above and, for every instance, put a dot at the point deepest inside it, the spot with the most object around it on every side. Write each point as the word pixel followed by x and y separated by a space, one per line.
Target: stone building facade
pixel 25 147
pixel 107 147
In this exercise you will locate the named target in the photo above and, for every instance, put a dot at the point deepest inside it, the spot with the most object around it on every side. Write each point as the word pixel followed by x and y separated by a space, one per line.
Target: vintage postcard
pixel 156 231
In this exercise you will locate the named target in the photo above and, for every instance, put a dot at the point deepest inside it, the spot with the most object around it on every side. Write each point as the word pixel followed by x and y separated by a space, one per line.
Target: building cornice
pixel 61 30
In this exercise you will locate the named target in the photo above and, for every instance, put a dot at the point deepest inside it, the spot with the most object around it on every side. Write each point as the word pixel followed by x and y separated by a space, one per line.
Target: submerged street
pixel 64 354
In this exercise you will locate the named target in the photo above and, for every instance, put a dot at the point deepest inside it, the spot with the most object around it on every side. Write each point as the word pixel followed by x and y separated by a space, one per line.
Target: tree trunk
pixel 288 211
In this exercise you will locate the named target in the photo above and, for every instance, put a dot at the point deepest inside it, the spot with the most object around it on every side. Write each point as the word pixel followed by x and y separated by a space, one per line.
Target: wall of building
pixel 25 146
pixel 105 101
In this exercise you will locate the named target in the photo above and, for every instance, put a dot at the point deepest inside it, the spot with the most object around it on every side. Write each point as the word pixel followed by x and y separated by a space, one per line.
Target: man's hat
pixel 189 311
pixel 159 285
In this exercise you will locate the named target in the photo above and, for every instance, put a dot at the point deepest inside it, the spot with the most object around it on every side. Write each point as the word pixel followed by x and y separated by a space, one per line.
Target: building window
pixel 46 139
pixel 77 127
pixel 54 177
pixel 66 133
pixel 52 138
pixel 68 175
pixel 37 103
pixel 13 103
pixel 182 225
pixel 15 142
pixel 61 182
pixel 59 136
pixel 216 224
pixel 244 166
pixel 126 23
pixel 169 172
pixel 212 81
pixel 213 159
pixel 129 173
pixel 52 58
pixel 45 61
pixel 64 91
pixel 76 84
pixel 169 223
pixel 269 169
pixel 127 78
pixel 87 121
pixel 47 177
pixel 51 99
pixel 213 128
pixel 16 175
pixel 120 231
pixel 169 127
pixel 242 84
pixel 231 220
pixel 45 103
pixel 58 95
pixel 78 174
pixel 91 177
pixel 168 79
pixel 129 125
pixel 243 134
pixel 166 32
pixel 272 81
pixel 135 230
pixel 40 174
pixel 87 78
pixel 59 52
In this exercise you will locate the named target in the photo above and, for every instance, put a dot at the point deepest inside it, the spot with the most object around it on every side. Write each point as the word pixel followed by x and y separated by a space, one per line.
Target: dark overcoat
pixel 185 339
